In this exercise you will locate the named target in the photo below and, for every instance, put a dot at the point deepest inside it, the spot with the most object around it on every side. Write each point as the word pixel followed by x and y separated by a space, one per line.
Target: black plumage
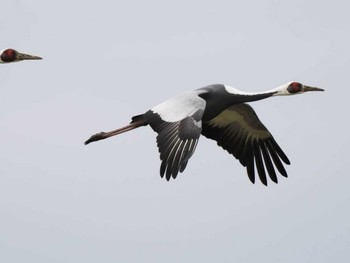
pixel 239 131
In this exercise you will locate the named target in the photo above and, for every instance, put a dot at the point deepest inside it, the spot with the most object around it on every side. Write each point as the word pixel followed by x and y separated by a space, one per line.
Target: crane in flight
pixel 11 55
pixel 218 112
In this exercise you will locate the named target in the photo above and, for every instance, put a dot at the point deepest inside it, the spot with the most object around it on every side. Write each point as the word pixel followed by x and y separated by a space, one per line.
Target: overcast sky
pixel 106 61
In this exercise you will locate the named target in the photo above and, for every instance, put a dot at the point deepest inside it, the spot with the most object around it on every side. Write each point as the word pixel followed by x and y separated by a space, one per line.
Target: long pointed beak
pixel 308 88
pixel 22 56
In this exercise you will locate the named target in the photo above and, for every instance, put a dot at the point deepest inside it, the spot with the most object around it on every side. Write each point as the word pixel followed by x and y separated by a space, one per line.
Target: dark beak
pixel 22 56
pixel 308 88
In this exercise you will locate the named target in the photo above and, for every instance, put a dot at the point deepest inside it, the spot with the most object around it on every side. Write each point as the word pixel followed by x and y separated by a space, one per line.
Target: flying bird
pixel 218 112
pixel 10 55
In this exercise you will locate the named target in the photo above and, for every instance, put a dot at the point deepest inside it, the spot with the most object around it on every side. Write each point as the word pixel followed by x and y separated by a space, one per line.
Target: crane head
pixel 10 55
pixel 293 88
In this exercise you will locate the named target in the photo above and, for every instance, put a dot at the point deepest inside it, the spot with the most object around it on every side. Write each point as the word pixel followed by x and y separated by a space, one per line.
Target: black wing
pixel 239 131
pixel 176 141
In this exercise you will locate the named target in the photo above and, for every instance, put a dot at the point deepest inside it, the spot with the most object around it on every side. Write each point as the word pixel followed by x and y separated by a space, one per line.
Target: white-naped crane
pixel 218 112
pixel 11 55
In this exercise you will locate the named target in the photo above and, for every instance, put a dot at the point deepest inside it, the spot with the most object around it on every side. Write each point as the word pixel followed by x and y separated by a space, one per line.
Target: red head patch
pixel 294 87
pixel 8 55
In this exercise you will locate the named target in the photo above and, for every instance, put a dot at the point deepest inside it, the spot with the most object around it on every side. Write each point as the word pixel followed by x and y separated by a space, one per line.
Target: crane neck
pixel 250 96
pixel 242 98
pixel 220 97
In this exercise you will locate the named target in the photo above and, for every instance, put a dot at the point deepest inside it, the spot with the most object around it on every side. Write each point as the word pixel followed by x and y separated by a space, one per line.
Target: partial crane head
pixel 10 55
pixel 293 88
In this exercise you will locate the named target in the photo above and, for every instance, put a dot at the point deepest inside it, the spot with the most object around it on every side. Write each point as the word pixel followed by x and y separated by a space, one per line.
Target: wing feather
pixel 259 162
pixel 239 131
pixel 177 137
pixel 268 162
pixel 276 159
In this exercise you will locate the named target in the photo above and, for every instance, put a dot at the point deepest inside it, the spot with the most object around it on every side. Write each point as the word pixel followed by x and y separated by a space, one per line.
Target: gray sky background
pixel 105 61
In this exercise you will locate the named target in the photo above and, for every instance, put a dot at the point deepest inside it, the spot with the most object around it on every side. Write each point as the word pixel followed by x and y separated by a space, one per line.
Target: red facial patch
pixel 8 55
pixel 294 87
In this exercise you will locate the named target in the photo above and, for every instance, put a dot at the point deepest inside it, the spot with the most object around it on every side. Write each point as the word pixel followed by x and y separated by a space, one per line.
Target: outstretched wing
pixel 178 123
pixel 239 131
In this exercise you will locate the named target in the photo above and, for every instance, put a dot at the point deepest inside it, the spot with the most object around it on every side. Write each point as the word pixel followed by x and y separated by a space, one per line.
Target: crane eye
pixel 294 87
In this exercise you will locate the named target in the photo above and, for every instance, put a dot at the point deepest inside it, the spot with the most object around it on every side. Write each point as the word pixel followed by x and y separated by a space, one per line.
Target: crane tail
pixel 137 121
